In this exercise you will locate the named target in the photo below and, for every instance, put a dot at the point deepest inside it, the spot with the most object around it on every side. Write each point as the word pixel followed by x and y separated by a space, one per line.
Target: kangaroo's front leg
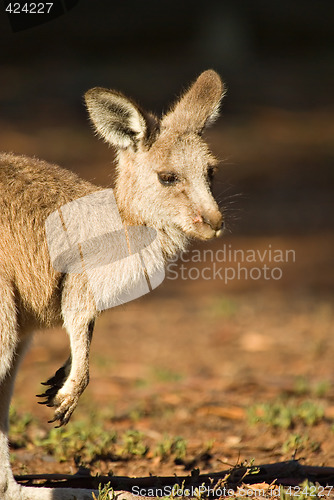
pixel 72 378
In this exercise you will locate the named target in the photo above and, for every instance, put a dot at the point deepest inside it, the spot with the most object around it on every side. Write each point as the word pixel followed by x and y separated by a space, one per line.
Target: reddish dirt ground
pixel 192 358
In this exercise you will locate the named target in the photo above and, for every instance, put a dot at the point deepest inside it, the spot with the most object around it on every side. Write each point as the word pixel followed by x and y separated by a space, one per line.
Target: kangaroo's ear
pixel 198 107
pixel 115 118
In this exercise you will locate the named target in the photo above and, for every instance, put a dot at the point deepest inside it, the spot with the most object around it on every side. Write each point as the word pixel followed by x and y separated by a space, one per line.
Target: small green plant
pixel 201 493
pixel 171 447
pixel 285 414
pixel 322 388
pixel 310 413
pixel 180 448
pixel 19 425
pixel 133 444
pixel 294 442
pixel 303 387
pixel 176 492
pixel 272 414
pixel 106 492
pixel 85 439
pixel 209 445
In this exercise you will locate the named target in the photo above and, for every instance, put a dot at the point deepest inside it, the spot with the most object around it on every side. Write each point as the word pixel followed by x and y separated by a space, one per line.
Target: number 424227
pixel 29 8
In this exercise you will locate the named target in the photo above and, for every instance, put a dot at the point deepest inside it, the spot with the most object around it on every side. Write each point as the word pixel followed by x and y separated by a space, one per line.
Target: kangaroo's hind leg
pixel 11 352
pixel 9 488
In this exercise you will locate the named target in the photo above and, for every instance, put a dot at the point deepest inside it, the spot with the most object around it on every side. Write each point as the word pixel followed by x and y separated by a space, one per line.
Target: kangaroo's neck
pixel 170 238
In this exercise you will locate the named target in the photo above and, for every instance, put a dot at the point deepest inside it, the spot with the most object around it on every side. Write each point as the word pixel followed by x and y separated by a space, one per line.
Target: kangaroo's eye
pixel 167 178
pixel 210 174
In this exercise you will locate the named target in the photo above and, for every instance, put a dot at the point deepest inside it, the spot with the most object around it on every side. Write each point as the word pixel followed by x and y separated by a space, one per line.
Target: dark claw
pixel 61 422
pixel 55 383
pixel 51 391
pixel 59 377
pixel 46 402
pixel 48 395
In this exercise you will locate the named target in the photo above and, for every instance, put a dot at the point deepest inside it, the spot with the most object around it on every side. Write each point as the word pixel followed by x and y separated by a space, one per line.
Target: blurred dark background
pixel 275 136
pixel 233 344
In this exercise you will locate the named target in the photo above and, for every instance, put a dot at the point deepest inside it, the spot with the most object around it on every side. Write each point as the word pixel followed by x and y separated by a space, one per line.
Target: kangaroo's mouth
pixel 219 232
pixel 205 229
pixel 204 232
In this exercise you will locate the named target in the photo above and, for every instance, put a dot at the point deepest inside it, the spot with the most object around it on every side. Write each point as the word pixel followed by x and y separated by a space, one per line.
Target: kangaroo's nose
pixel 216 222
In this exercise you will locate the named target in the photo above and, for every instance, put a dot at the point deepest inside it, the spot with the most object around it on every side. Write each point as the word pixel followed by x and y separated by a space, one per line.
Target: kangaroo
pixel 164 174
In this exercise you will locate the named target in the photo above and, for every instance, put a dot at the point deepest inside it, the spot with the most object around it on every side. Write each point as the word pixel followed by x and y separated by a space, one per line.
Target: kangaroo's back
pixel 30 190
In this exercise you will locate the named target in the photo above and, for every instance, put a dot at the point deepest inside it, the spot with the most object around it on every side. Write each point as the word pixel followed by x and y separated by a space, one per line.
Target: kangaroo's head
pixel 165 169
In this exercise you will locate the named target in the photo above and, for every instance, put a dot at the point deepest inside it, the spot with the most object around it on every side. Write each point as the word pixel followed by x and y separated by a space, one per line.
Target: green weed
pixel 286 414
pixel 322 388
pixel 294 442
pixel 85 439
pixel 106 492
pixel 297 442
pixel 171 447
pixel 133 444
pixel 303 387
pixel 19 425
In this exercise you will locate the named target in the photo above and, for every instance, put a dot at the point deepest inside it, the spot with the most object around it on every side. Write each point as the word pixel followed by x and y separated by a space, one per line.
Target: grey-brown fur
pixel 162 182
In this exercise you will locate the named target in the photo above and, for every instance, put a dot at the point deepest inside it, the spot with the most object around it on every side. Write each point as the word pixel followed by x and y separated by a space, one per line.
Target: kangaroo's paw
pixel 66 399
pixel 56 382
pixel 65 402
pixel 63 394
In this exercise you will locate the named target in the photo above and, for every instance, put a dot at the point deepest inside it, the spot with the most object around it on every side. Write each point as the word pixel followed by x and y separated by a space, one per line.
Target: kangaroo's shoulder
pixel 38 181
